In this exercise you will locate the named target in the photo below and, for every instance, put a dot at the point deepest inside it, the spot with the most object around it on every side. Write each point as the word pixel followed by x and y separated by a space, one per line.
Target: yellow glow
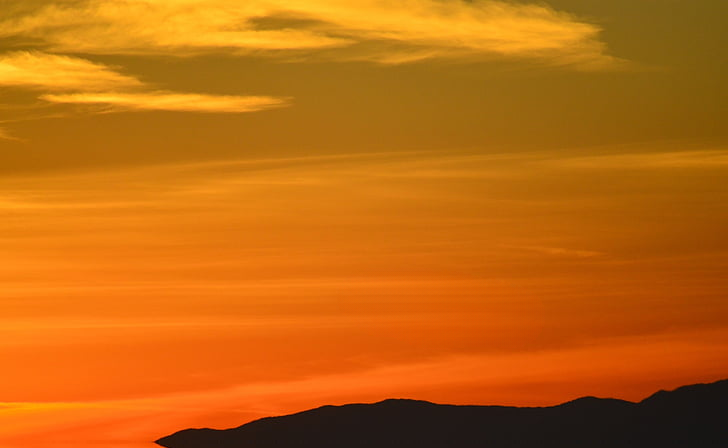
pixel 181 102
pixel 423 28
pixel 55 72
pixel 451 200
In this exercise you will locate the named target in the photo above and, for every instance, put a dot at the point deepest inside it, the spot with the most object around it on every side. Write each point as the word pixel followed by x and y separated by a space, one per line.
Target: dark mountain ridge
pixel 689 417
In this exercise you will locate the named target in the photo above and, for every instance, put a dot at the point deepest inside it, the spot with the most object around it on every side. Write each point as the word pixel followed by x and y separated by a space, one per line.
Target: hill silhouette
pixel 692 416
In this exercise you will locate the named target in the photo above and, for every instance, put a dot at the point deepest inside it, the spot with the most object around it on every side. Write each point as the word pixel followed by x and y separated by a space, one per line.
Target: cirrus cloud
pixel 73 80
pixel 4 135
pixel 170 101
pixel 36 70
pixel 385 32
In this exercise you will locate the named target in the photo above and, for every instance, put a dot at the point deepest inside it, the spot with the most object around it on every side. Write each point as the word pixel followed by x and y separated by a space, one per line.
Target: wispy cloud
pixel 424 29
pixel 539 377
pixel 386 32
pixel 45 71
pixel 562 252
pixel 170 101
pixel 80 81
pixel 706 158
pixel 159 26
pixel 4 135
pixel 396 32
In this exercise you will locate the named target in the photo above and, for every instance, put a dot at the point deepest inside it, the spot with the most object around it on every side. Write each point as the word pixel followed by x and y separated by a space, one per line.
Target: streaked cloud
pixel 36 70
pixel 74 80
pixel 424 29
pixel 385 32
pixel 562 252
pixel 365 30
pixel 159 27
pixel 4 135
pixel 506 272
pixel 540 377
pixel 705 158
pixel 170 101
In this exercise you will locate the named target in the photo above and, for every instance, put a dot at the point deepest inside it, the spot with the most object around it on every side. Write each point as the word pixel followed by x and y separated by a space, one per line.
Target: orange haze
pixel 216 210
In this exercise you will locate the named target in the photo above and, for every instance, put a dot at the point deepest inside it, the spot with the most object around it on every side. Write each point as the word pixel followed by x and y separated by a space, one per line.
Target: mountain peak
pixel 691 416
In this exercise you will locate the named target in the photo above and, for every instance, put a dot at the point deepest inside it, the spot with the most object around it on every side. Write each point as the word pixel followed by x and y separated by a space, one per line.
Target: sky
pixel 213 211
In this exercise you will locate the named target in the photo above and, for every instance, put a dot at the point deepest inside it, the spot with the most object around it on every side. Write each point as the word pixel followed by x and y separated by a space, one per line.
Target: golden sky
pixel 214 210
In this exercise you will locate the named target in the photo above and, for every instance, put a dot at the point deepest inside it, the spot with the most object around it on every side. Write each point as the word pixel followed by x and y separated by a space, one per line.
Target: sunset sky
pixel 214 210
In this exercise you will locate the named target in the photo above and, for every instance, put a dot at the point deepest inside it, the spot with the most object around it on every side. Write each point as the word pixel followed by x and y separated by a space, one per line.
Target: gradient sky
pixel 217 210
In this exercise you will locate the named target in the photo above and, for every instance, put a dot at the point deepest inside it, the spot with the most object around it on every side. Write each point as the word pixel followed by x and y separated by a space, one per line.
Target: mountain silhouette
pixel 690 417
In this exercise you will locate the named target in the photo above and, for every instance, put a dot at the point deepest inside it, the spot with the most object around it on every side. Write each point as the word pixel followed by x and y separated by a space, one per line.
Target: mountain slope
pixel 691 416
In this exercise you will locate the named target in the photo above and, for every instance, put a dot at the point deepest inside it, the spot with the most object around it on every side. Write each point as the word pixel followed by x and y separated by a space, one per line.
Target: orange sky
pixel 212 212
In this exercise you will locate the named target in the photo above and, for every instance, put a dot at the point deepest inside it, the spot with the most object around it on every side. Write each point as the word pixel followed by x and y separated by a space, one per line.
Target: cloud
pixel 170 101
pixel 562 252
pixel 158 26
pixel 36 70
pixel 425 29
pixel 79 81
pixel 386 32
pixel 4 135
pixel 696 159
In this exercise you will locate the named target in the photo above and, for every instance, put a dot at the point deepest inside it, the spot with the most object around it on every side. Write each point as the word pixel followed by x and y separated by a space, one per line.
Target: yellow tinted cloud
pixel 169 101
pixel 4 135
pixel 158 26
pixel 81 81
pixel 53 72
pixel 710 158
pixel 423 29
pixel 386 32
